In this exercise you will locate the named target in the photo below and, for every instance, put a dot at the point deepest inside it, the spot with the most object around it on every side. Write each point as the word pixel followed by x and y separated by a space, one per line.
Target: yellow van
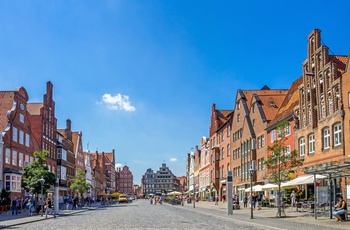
pixel 123 198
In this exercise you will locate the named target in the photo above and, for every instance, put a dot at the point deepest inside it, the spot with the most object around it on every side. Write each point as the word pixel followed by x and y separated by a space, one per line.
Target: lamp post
pixel 42 181
pixel 194 183
pixel 251 170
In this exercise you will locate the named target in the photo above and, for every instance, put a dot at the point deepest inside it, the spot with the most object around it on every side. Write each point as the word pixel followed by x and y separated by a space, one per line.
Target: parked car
pixel 123 198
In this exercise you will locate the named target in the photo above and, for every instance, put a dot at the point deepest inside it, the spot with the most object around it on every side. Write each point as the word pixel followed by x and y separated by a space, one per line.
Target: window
pixel 262 164
pixel 21 117
pixel 337 134
pixel 302 146
pixel 14 157
pixel 262 141
pixel 222 153
pixel 326 138
pixel 288 150
pixel 21 137
pixel 228 167
pixel 253 122
pixel 323 112
pixel 14 134
pixel 279 133
pixel 8 156
pixel 259 142
pixel 273 135
pixel 20 160
pixel 27 140
pixel 330 107
pixel 311 143
pixel 288 129
pixel 238 117
pixel 228 149
pixel 13 182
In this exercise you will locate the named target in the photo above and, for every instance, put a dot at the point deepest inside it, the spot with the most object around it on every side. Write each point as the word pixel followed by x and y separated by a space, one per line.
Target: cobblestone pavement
pixel 141 215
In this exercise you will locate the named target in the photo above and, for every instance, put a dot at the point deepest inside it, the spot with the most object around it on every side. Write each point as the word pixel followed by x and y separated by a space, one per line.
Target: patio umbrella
pixel 256 188
pixel 269 186
pixel 174 193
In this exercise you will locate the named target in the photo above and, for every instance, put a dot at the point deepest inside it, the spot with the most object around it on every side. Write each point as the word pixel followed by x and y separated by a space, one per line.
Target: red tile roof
pixel 34 108
pixel 290 101
pixel 340 61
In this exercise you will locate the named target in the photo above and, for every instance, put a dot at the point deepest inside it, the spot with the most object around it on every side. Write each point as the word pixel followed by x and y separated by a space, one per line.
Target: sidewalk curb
pixel 26 220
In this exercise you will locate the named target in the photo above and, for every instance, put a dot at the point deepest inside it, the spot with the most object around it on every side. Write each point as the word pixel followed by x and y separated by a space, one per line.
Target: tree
pixel 279 162
pixel 79 182
pixel 33 173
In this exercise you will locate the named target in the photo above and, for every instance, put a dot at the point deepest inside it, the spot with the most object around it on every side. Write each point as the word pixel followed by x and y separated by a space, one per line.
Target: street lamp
pixel 251 170
pixel 42 181
pixel 194 183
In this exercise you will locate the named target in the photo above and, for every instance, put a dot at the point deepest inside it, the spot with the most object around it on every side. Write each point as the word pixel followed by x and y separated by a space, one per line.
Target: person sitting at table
pixel 341 209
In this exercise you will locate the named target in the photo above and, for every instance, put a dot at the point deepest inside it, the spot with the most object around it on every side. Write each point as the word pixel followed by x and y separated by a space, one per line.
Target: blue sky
pixel 140 76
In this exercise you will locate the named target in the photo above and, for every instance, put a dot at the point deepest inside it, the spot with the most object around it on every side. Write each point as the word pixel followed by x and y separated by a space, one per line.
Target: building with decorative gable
pixel 17 142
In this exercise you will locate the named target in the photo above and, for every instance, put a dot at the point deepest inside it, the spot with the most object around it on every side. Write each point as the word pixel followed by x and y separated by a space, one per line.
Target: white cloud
pixel 173 159
pixel 118 165
pixel 117 102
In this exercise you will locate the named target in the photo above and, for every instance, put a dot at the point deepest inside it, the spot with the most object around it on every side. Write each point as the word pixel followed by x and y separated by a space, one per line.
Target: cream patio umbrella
pixel 256 188
pixel 174 193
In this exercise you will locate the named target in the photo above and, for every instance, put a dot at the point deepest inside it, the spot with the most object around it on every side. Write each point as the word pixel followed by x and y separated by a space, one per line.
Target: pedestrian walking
pixel 40 205
pixel 254 200
pixel 245 201
pixel 216 200
pixel 48 208
pixel 259 198
pixel 29 206
pixel 3 205
pixel 223 198
pixel 14 207
pixel 75 201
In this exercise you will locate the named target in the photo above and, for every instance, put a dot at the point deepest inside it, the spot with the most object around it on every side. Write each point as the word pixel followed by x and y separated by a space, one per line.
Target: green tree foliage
pixel 79 183
pixel 33 173
pixel 279 163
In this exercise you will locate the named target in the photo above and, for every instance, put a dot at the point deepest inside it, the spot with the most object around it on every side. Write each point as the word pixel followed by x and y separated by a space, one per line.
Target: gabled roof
pixel 290 101
pixel 340 60
pixel 271 103
pixel 5 97
pixel 34 108
pixel 110 157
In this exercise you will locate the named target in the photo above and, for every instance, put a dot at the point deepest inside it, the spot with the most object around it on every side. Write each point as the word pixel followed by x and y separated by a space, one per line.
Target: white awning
pixel 256 188
pixel 306 179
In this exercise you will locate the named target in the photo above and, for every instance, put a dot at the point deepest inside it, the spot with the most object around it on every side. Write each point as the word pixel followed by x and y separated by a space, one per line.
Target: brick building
pixel 67 158
pixel 254 109
pixel 109 161
pixel 44 126
pixel 218 119
pixel 18 144
pixel 204 170
pixel 126 180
